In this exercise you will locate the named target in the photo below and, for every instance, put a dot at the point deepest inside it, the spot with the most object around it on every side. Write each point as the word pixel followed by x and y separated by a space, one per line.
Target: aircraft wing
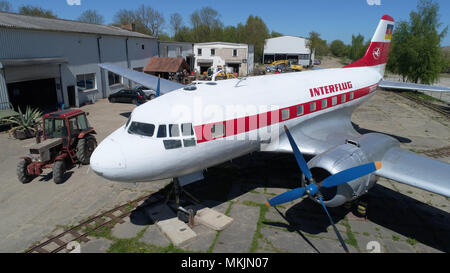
pixel 142 78
pixel 416 170
pixel 412 86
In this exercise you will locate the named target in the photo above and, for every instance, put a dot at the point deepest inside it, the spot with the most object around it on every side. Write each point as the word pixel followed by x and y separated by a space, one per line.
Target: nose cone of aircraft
pixel 108 160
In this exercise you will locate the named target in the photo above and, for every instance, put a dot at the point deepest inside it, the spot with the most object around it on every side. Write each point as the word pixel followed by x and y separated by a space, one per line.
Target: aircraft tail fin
pixel 378 50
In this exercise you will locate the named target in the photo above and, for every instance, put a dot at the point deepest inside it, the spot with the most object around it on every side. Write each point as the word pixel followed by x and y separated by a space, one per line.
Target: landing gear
pixel 185 215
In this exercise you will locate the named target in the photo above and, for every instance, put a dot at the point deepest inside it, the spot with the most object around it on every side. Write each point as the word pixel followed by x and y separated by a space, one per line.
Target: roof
pixel 173 65
pixel 220 44
pixel 286 45
pixel 19 21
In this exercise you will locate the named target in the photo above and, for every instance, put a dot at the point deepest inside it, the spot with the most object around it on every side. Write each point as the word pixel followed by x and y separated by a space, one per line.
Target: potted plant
pixel 25 124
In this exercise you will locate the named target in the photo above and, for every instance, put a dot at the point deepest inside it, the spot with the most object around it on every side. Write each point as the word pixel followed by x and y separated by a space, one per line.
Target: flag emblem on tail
pixel 389 30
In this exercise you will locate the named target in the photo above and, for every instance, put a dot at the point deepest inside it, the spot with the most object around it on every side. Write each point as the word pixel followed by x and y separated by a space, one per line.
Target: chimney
pixel 130 27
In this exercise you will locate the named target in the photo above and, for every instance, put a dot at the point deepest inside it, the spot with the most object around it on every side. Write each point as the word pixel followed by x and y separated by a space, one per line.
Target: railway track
pixel 437 153
pixel 444 110
pixel 80 232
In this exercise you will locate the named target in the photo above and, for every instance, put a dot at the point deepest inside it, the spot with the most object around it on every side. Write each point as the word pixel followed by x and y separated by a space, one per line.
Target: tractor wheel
pixel 59 168
pixel 22 171
pixel 85 148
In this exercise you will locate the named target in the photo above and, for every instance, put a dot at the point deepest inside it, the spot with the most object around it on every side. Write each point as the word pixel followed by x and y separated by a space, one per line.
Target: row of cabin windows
pixel 218 130
pixel 186 132
pixel 285 113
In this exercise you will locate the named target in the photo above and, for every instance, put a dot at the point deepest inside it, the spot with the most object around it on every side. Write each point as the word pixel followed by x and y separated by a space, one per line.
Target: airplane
pixel 191 128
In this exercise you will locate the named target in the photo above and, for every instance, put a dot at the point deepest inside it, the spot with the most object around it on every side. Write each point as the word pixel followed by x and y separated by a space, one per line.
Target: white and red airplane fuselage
pixel 244 115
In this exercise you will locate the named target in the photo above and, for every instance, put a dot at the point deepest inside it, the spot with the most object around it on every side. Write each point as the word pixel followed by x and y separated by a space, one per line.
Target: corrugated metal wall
pixel 4 99
pixel 81 51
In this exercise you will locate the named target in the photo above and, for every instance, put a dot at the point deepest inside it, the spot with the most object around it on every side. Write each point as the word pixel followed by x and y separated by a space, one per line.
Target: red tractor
pixel 67 138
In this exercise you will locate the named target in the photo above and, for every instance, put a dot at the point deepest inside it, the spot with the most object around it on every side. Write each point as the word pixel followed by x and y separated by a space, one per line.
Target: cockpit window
pixel 143 129
pixel 162 132
pixel 186 129
pixel 174 130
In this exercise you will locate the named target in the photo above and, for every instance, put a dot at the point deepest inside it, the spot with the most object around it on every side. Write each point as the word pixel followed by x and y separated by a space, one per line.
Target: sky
pixel 333 19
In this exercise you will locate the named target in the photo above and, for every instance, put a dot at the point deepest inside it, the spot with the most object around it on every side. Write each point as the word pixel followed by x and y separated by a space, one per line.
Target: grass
pixel 227 213
pixel 395 237
pixel 262 217
pixel 423 96
pixel 411 241
pixel 351 236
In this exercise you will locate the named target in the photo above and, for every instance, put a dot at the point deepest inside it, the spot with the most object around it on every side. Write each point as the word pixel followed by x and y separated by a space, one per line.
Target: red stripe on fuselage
pixel 249 123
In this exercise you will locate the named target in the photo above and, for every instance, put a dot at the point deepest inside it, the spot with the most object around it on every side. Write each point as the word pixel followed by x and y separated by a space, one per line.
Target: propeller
pixel 312 189
pixel 158 88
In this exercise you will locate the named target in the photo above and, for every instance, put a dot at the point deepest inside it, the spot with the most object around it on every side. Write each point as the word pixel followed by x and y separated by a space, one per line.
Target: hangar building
pixel 288 48
pixel 48 62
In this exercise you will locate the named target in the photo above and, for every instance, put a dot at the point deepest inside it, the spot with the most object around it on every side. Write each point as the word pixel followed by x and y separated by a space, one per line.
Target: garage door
pixel 37 94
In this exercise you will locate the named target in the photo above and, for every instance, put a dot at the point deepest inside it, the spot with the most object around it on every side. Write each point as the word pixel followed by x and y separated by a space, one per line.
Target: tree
pixel 151 19
pixel 91 16
pixel 415 45
pixel 358 47
pixel 37 11
pixel 176 23
pixel 314 42
pixel 206 25
pixel 256 32
pixel 5 6
pixel 338 48
pixel 275 34
pixel 146 20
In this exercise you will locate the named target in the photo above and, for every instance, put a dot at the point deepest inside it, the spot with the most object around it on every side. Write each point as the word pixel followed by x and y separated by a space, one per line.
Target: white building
pixel 48 62
pixel 239 57
pixel 287 48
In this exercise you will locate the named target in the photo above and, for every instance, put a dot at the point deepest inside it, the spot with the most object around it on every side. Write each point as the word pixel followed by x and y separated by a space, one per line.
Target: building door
pixel 36 94
pixel 71 94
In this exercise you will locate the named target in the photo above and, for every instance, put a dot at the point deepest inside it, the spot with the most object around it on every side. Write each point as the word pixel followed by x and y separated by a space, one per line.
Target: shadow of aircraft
pixel 366 131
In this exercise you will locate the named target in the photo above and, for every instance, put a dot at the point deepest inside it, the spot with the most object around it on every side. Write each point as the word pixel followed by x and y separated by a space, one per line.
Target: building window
pixel 352 95
pixel 213 52
pixel 143 47
pixel 235 52
pixel 299 110
pixel 164 51
pixel 218 130
pixel 343 97
pixel 324 103
pixel 86 82
pixel 284 114
pixel 114 79
pixel 312 106
pixel 199 52
pixel 334 101
pixel 303 56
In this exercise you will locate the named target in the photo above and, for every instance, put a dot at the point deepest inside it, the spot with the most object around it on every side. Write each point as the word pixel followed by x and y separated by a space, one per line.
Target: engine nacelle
pixel 367 148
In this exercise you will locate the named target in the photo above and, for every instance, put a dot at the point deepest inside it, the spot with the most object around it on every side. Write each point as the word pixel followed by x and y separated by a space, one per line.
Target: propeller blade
pixel 158 88
pixel 334 227
pixel 350 174
pixel 298 155
pixel 286 197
